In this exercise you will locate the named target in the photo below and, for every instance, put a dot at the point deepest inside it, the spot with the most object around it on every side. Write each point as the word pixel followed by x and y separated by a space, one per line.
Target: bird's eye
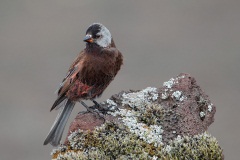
pixel 98 36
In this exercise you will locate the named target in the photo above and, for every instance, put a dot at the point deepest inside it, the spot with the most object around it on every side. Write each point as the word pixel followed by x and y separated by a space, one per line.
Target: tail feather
pixel 58 101
pixel 55 134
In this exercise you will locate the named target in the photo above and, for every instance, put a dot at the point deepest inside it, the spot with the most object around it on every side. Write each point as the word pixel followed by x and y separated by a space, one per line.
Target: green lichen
pixel 152 115
pixel 198 147
pixel 114 141
pixel 111 141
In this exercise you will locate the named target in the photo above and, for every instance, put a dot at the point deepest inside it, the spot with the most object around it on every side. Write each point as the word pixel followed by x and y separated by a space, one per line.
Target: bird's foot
pixel 100 107
pixel 95 112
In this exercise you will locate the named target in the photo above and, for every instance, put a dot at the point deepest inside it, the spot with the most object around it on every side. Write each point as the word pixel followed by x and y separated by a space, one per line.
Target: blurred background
pixel 159 39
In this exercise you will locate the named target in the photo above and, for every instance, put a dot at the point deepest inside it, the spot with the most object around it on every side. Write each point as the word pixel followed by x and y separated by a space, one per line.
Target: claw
pixel 95 112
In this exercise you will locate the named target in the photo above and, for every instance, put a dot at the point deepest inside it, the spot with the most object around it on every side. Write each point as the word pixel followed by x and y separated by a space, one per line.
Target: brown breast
pixel 96 71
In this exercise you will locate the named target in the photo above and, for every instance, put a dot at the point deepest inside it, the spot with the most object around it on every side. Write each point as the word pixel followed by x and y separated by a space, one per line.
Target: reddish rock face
pixel 187 109
pixel 192 109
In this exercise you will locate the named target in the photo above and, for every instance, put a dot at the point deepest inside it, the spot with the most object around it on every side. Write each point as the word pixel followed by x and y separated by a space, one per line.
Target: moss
pixel 110 141
pixel 114 141
pixel 152 115
pixel 198 147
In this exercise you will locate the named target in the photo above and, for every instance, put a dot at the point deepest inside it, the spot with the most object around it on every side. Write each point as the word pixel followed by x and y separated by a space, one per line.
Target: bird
pixel 88 76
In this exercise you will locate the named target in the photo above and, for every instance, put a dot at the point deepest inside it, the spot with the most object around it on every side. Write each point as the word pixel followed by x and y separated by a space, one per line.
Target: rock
pixel 167 122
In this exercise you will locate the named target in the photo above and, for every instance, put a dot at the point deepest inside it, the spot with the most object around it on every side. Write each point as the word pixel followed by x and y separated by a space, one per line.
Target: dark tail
pixel 55 134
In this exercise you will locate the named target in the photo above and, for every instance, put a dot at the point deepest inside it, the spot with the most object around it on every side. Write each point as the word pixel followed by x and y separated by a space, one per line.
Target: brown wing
pixel 97 70
pixel 67 82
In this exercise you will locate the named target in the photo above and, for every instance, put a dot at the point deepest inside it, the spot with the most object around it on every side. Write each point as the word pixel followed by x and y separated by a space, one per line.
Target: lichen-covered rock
pixel 154 123
pixel 111 142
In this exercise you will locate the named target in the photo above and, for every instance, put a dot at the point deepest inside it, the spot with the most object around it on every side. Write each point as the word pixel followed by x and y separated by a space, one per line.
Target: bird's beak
pixel 88 38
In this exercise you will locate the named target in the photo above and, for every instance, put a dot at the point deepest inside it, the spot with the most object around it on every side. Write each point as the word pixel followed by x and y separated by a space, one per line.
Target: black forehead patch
pixel 93 29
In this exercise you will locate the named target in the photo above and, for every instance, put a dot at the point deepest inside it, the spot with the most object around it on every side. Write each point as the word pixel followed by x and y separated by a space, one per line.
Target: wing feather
pixel 68 81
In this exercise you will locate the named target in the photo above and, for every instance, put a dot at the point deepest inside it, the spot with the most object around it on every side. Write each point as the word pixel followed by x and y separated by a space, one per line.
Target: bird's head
pixel 98 34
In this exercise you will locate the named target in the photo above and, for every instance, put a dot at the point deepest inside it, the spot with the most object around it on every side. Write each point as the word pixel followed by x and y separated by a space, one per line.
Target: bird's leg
pixel 100 107
pixel 96 103
pixel 86 106
pixel 92 110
